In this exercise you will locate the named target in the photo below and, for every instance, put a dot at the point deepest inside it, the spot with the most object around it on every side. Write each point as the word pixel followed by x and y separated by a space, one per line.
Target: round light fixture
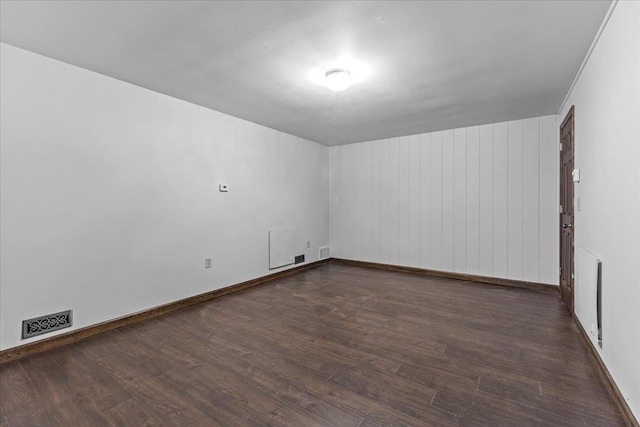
pixel 338 79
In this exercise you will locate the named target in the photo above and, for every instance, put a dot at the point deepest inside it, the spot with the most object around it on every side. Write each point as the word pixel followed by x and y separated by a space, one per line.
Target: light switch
pixel 223 188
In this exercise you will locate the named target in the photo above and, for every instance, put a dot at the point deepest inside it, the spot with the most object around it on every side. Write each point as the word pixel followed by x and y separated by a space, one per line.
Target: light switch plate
pixel 576 175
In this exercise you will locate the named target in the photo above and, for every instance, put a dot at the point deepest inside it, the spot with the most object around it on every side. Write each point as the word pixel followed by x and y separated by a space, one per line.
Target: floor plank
pixel 337 345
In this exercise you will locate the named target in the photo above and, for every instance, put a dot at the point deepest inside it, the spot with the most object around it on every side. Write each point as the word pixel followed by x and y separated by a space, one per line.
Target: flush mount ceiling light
pixel 340 73
pixel 338 79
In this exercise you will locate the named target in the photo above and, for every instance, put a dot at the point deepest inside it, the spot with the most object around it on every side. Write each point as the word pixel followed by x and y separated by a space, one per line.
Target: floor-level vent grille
pixel 323 252
pixel 46 324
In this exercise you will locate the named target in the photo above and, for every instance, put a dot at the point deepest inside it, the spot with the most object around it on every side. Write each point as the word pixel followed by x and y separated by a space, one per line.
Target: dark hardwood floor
pixel 333 346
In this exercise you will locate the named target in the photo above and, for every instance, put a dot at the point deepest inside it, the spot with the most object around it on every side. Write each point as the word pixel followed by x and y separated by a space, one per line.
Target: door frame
pixel 571 277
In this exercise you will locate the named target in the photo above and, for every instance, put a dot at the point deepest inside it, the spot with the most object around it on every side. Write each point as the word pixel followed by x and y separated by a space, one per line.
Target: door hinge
pixel 561 210
pixel 561 146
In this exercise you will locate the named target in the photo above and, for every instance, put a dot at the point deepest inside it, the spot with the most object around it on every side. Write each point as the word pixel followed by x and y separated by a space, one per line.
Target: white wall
pixel 479 200
pixel 109 195
pixel 607 137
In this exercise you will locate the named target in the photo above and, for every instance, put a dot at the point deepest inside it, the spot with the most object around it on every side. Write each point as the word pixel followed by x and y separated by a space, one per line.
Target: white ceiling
pixel 434 65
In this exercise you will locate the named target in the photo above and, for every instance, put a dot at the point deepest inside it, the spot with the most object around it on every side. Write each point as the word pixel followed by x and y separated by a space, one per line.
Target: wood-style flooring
pixel 332 346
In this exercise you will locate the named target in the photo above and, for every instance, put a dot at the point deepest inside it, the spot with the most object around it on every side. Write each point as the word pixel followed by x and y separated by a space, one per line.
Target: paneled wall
pixel 479 200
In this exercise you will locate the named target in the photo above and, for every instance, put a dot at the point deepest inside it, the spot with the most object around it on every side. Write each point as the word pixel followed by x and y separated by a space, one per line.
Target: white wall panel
pixel 414 201
pixel 369 199
pixel 500 199
pixel 478 200
pixel 404 208
pixel 460 200
pixel 485 267
pixel 530 200
pixel 514 199
pixel 435 163
pixel 375 210
pixel 473 201
pixel 425 200
pixel 347 199
pixel 360 192
pixel 447 200
pixel 393 226
pixel 549 200
pixel 334 199
pixel 339 246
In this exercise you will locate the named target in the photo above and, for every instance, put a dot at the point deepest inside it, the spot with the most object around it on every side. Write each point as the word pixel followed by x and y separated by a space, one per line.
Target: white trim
pixel 586 58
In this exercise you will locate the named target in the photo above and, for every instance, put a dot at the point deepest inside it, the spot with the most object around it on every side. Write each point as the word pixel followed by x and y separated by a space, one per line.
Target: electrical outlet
pixel 207 263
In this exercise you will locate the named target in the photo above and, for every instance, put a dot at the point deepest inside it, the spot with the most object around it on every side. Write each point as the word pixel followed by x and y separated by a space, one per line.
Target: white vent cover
pixel 323 252
pixel 586 292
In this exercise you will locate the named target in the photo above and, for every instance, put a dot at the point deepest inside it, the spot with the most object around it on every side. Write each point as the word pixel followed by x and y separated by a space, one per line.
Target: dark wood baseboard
pixel 538 287
pixel 78 334
pixel 606 378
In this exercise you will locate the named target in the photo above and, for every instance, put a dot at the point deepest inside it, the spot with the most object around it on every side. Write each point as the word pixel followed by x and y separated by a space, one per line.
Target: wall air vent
pixel 323 252
pixel 45 324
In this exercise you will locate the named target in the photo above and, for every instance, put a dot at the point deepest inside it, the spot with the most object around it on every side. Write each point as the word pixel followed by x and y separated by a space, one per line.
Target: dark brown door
pixel 566 209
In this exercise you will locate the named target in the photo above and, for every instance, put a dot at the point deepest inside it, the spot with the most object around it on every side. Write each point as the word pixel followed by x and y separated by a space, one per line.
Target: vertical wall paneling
pixel 436 200
pixel 359 192
pixel 363 192
pixel 355 198
pixel 334 220
pixel 530 196
pixel 375 211
pixel 514 199
pixel 447 200
pixel 393 226
pixel 385 197
pixel 485 258
pixel 347 184
pixel 414 201
pixel 342 206
pixel 460 200
pixel 549 201
pixel 478 200
pixel 369 221
pixel 473 200
pixel 403 199
pixel 500 199
pixel 425 200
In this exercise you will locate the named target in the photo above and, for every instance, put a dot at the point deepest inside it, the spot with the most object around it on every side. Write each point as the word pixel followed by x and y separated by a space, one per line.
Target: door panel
pixel 566 215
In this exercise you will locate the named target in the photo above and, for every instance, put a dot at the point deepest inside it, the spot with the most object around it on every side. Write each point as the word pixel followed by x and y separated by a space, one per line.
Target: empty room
pixel 319 213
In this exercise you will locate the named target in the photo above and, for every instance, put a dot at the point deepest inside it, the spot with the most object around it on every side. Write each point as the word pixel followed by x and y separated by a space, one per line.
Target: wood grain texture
pixel 607 379
pixel 337 345
pixel 79 334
